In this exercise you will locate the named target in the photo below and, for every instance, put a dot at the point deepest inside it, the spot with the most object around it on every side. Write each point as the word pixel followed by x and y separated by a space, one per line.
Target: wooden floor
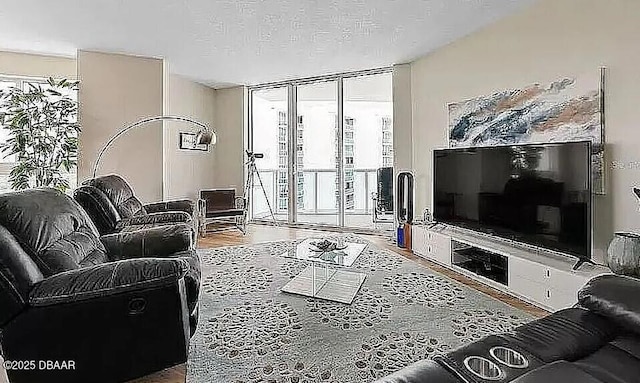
pixel 259 233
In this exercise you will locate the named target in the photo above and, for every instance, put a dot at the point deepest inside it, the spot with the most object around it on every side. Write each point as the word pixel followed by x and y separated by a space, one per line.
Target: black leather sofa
pixel 598 341
pixel 113 207
pixel 105 309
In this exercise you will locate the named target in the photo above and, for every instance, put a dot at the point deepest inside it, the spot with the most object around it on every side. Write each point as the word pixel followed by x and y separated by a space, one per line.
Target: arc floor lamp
pixel 205 135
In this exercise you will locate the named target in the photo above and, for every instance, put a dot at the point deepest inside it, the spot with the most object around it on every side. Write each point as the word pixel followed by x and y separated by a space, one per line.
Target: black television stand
pixel 581 262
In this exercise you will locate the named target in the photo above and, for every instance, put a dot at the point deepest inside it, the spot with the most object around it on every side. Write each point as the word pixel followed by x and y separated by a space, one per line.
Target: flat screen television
pixel 536 194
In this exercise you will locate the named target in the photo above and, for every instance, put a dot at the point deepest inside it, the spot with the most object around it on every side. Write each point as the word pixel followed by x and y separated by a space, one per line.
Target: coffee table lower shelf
pixel 320 281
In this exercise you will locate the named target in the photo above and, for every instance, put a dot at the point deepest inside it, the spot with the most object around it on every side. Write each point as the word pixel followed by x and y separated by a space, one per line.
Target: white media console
pixel 543 278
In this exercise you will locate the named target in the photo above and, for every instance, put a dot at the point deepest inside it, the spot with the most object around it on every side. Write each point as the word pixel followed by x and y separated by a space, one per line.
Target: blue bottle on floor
pixel 400 238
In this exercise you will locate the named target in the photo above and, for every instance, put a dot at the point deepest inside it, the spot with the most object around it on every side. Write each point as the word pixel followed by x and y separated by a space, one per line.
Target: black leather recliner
pixel 598 341
pixel 113 207
pixel 104 309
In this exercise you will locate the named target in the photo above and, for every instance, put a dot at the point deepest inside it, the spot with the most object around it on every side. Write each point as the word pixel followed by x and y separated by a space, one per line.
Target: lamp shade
pixel 206 137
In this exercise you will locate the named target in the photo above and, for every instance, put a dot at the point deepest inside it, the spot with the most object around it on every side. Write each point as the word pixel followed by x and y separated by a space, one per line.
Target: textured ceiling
pixel 248 41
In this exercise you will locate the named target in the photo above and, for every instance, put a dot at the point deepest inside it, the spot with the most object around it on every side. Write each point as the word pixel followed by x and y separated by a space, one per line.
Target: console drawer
pixel 536 292
pixel 558 300
pixel 419 240
pixel 530 270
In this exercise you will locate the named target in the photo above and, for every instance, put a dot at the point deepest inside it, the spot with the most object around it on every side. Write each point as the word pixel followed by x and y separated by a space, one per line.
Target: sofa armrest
pixel 156 219
pixel 107 279
pixel 159 241
pixel 184 205
pixel 614 297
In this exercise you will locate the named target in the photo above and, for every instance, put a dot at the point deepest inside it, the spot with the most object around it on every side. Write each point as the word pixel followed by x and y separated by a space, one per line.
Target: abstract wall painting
pixel 570 109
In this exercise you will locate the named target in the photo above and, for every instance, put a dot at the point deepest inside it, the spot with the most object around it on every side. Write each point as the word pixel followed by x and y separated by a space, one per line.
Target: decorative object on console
pixel 189 141
pixel 570 109
pixel 623 256
pixel 205 135
pixel 427 217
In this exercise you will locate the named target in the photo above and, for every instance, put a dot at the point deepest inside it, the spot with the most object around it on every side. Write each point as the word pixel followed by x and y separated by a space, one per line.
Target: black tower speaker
pixel 385 189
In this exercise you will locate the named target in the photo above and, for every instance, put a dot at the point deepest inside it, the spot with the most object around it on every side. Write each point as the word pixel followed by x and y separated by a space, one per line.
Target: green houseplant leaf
pixel 42 133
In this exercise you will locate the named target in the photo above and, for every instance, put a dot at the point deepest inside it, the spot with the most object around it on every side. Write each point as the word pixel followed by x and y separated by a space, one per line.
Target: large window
pixel 8 162
pixel 328 174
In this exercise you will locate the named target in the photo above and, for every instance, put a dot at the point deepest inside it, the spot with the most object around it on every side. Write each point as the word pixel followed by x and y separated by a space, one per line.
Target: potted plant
pixel 42 133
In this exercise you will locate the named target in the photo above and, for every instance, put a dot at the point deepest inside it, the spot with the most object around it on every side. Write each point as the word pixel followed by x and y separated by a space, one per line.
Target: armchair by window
pixel 223 208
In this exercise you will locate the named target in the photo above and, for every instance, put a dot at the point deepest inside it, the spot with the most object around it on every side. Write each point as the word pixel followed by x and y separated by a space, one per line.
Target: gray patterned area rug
pixel 251 332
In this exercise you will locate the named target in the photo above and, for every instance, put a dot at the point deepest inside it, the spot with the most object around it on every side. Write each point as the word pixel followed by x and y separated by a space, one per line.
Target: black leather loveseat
pixel 77 307
pixel 597 342
pixel 113 207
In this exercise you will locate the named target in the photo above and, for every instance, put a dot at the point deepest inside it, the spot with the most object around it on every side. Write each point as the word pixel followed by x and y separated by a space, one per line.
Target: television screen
pixel 535 194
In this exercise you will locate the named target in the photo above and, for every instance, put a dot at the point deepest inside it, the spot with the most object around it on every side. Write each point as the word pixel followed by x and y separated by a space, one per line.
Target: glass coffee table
pixel 327 277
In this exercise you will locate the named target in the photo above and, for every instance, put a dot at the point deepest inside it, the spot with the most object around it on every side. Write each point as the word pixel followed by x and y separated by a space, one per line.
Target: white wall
pixel 186 172
pixel 22 64
pixel 551 39
pixel 231 116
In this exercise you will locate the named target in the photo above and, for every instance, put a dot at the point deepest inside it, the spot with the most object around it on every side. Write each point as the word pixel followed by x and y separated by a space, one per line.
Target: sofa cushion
pixel 52 228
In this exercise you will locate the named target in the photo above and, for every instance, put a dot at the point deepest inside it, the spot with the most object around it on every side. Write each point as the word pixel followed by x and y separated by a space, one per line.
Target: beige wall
pixel 186 172
pixel 402 133
pixel 551 39
pixel 22 64
pixel 231 115
pixel 116 90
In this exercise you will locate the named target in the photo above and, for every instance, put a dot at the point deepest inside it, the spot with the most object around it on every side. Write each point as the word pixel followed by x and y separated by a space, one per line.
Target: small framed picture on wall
pixel 188 142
